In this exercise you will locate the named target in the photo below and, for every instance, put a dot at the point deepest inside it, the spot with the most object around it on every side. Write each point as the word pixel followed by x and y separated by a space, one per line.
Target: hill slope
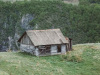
pixel 19 63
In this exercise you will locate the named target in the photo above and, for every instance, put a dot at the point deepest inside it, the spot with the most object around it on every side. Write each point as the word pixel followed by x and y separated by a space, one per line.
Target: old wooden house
pixel 44 42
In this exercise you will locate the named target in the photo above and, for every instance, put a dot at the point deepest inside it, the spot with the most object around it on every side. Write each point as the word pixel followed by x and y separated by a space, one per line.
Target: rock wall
pixel 27 48
pixel 12 29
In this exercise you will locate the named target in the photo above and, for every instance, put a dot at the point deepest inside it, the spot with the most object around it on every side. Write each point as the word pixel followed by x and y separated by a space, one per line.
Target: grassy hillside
pixel 87 56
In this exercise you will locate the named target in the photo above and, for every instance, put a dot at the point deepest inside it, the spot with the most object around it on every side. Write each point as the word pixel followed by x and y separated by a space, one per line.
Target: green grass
pixel 19 63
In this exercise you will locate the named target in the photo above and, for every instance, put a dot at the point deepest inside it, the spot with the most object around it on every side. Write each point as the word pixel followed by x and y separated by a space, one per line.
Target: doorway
pixel 59 48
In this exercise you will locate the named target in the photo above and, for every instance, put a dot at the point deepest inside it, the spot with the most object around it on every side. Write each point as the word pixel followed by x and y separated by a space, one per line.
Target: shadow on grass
pixel 25 54
pixel 28 55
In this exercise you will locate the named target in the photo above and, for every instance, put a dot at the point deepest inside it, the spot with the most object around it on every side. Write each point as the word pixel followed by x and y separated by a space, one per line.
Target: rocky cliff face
pixel 11 31
pixel 25 21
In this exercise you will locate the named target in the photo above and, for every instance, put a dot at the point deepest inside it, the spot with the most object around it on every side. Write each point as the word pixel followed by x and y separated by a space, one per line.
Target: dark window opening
pixel 59 48
pixel 48 48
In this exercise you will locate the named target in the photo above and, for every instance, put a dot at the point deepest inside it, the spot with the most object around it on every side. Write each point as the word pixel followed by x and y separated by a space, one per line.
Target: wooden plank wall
pixel 63 48
pixel 26 40
pixel 53 49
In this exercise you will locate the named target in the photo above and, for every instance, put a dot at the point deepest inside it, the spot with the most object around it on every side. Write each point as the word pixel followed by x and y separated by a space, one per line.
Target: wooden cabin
pixel 43 42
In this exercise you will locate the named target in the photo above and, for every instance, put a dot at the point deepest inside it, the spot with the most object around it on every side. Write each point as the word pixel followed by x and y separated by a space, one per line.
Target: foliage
pixel 81 23
pixel 94 1
pixel 90 1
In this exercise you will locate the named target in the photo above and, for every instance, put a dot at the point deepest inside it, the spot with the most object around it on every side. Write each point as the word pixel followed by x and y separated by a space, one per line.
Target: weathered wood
pixel 26 40
pixel 45 37
pixel 63 48
pixel 70 43
pixel 53 49
pixel 43 42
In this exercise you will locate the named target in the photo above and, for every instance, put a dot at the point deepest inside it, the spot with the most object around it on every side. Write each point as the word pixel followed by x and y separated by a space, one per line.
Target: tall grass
pixel 73 56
